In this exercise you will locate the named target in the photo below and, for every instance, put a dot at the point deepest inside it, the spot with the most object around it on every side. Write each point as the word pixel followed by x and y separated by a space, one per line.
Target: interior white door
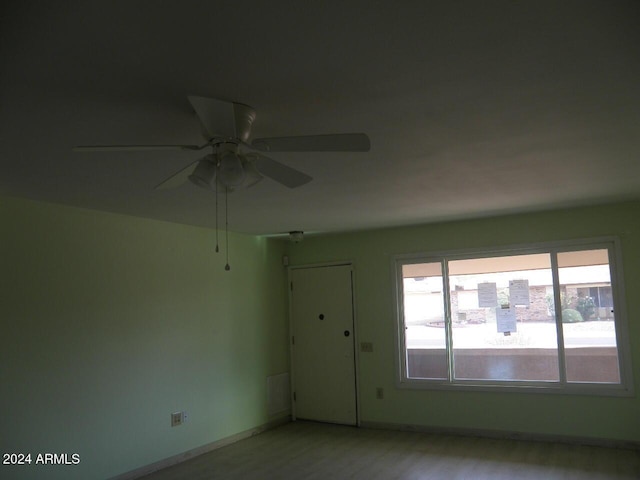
pixel 323 348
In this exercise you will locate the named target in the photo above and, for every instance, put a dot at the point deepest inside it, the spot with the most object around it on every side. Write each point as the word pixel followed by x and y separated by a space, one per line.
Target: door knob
pixel 346 333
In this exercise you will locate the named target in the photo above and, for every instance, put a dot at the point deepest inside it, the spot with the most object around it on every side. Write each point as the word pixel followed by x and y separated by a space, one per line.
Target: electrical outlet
pixel 379 393
pixel 366 347
pixel 176 419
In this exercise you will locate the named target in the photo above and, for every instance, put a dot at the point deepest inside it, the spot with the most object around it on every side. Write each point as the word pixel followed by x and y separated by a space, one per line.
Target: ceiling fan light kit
pixel 236 161
pixel 230 169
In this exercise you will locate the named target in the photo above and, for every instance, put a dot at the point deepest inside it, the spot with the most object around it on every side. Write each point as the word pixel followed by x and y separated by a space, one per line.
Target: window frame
pixel 611 244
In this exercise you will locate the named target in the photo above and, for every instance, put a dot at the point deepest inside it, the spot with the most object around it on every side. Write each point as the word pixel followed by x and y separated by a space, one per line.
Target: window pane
pixel 423 302
pixel 502 326
pixel 591 351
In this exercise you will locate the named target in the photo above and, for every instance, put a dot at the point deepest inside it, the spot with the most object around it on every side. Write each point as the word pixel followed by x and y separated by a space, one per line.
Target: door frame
pixel 356 356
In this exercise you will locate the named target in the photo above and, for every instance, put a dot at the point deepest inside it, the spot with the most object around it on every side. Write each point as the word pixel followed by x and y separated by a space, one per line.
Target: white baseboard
pixel 507 435
pixel 195 452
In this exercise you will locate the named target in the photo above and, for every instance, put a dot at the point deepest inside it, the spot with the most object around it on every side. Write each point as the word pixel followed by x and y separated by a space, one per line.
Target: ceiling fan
pixel 235 160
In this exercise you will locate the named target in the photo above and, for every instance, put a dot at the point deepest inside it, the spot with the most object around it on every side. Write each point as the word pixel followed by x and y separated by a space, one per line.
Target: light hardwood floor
pixel 307 450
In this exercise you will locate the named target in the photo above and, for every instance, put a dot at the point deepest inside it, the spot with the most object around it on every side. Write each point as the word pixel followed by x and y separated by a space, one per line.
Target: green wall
pixel 110 323
pixel 536 414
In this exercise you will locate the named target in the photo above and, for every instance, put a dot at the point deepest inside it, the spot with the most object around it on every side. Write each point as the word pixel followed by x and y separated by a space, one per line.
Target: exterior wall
pixel 538 310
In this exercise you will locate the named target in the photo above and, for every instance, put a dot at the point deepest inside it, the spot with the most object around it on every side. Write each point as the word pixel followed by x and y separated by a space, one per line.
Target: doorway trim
pixel 356 350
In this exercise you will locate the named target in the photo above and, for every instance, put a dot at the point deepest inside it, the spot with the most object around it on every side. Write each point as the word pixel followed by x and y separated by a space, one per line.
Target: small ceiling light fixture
pixel 296 236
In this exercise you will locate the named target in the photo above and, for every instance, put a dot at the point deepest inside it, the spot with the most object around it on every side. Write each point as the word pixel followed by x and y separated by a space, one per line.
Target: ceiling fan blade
pixel 341 142
pixel 217 117
pixel 132 148
pixel 177 178
pixel 287 176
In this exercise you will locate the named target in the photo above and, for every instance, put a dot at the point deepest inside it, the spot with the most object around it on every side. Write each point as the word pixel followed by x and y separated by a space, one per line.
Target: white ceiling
pixel 473 108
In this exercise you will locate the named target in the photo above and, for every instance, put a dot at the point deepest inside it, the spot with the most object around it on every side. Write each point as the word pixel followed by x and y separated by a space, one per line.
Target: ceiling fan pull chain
pixel 227 267
pixel 217 244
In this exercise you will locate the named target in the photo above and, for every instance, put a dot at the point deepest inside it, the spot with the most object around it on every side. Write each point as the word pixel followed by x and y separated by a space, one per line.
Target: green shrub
pixel 586 306
pixel 569 315
pixel 565 302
